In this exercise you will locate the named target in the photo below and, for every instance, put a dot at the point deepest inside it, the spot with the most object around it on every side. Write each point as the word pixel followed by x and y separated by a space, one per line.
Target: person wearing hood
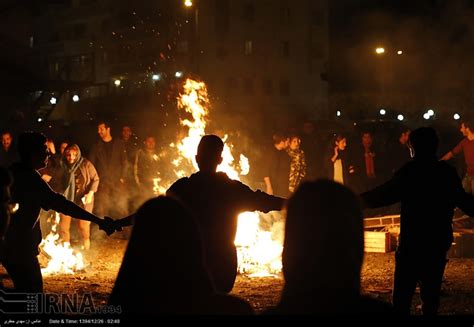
pixel 80 181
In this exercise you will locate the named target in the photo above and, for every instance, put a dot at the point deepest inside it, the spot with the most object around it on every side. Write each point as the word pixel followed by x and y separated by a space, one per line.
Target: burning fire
pixel 258 253
pixel 62 258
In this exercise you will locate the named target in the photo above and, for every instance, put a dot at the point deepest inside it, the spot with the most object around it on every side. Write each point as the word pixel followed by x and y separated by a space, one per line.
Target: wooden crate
pixel 377 242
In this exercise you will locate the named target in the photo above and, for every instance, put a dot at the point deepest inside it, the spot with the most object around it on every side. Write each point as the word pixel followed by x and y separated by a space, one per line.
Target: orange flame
pixel 259 253
pixel 63 259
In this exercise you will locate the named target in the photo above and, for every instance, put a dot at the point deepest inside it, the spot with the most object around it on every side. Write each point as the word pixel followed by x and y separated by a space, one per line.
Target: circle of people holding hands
pixel 193 226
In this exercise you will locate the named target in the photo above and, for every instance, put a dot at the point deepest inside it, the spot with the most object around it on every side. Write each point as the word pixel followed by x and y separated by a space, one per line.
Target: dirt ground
pixel 263 293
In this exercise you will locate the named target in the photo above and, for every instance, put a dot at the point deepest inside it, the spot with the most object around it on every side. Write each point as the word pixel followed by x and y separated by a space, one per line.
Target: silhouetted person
pixel 428 190
pixel 323 253
pixel 216 201
pixel 174 278
pixel 32 194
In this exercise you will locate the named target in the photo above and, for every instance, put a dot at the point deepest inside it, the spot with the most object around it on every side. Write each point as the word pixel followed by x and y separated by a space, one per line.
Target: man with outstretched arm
pixel 33 194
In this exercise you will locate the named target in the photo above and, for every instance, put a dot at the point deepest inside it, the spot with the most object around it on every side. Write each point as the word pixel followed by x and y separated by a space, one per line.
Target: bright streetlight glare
pixel 456 116
pixel 188 3
pixel 156 77
pixel 382 112
pixel 400 117
pixel 380 50
pixel 426 116
pixel 53 100
pixel 338 113
pixel 430 112
pixel 178 74
pixel 399 52
pixel 117 82
pixel 75 98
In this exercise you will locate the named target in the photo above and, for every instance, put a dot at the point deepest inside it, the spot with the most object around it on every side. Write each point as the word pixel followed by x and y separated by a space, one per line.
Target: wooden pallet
pixel 380 222
pixel 377 242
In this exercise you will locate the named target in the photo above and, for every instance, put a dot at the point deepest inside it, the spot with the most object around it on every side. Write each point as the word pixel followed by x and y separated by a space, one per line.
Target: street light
pixel 456 116
pixel 75 98
pixel 117 82
pixel 53 100
pixel 430 112
pixel 382 112
pixel 193 33
pixel 338 113
pixel 400 117
pixel 399 52
pixel 426 116
pixel 379 50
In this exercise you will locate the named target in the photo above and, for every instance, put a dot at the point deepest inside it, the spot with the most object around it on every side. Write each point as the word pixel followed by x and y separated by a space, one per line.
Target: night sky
pixel 435 36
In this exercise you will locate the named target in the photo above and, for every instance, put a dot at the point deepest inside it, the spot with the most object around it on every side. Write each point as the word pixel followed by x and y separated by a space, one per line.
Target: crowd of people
pixel 360 165
pixel 192 228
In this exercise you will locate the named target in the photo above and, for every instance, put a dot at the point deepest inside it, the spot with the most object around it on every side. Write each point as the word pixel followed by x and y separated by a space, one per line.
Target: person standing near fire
pixel 80 181
pixel 428 190
pixel 109 157
pixel 216 201
pixel 278 169
pixel 32 194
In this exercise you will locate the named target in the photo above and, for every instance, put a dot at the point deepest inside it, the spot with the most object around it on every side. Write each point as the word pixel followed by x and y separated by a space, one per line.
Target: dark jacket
pixel 112 166
pixel 278 170
pixel 216 201
pixel 428 190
